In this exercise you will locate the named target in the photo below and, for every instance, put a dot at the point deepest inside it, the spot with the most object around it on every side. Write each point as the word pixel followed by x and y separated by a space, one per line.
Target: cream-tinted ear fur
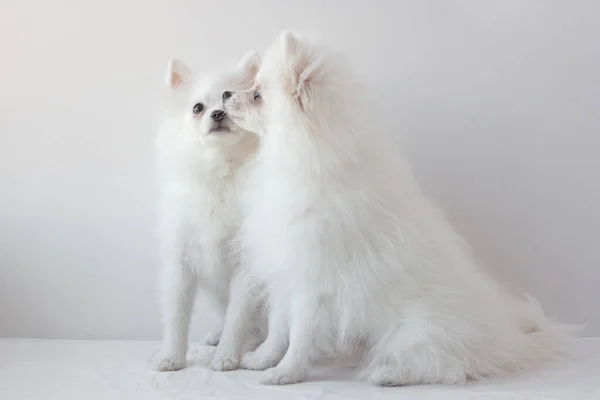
pixel 301 66
pixel 178 73
pixel 289 44
pixel 250 64
pixel 291 51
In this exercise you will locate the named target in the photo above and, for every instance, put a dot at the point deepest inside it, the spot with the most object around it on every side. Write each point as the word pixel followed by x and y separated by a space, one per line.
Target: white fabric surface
pixel 90 370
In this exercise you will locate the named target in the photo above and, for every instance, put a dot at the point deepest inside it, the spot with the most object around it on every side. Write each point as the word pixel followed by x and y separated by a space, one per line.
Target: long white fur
pixel 200 173
pixel 340 230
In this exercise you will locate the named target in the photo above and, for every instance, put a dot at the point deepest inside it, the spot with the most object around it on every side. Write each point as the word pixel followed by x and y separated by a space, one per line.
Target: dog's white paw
pixel 211 338
pixel 281 376
pixel 224 364
pixel 170 364
pixel 257 361
pixel 385 377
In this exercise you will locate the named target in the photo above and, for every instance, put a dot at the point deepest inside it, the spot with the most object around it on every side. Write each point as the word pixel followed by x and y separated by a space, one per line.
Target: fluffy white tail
pixel 548 336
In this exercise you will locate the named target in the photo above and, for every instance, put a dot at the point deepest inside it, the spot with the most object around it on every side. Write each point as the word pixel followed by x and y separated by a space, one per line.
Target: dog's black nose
pixel 217 115
pixel 226 95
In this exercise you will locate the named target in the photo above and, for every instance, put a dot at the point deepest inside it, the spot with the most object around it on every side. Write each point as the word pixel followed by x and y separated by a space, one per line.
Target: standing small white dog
pixel 202 156
pixel 338 227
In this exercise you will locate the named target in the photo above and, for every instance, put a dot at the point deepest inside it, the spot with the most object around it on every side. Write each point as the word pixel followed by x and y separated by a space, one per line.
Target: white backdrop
pixel 498 103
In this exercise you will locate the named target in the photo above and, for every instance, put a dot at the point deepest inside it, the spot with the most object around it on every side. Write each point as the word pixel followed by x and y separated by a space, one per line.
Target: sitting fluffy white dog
pixel 339 229
pixel 202 157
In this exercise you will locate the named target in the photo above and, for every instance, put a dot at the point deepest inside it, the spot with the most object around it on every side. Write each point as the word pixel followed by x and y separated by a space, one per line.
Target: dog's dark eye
pixel 198 107
pixel 256 95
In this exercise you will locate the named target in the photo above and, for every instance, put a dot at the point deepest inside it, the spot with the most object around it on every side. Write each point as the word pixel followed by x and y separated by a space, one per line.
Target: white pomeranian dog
pixel 202 158
pixel 341 232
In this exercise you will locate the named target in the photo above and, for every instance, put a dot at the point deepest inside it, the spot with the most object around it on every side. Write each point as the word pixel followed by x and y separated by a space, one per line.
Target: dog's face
pixel 197 102
pixel 248 108
pixel 292 86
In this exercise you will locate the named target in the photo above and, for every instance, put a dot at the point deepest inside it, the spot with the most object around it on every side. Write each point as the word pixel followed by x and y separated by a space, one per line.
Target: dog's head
pixel 297 85
pixel 196 102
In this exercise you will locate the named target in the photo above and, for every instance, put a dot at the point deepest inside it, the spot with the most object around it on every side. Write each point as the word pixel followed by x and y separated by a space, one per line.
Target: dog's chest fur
pixel 200 199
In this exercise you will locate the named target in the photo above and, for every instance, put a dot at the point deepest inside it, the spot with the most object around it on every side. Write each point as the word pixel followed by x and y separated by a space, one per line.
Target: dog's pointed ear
pixel 292 56
pixel 289 44
pixel 308 74
pixel 250 64
pixel 177 74
pixel 301 66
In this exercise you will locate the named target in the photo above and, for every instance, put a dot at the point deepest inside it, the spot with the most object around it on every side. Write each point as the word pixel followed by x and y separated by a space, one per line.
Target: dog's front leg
pixel 178 293
pixel 238 317
pixel 271 351
pixel 292 367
